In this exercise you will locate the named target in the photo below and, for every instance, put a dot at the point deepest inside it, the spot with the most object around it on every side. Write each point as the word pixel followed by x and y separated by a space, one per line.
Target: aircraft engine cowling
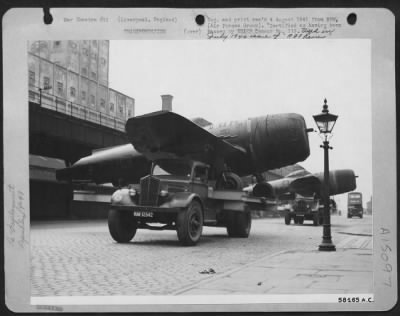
pixel 263 189
pixel 271 141
pixel 340 181
pixel 279 140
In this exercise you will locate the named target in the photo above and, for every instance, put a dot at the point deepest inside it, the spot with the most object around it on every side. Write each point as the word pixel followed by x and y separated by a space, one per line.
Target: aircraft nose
pixel 287 139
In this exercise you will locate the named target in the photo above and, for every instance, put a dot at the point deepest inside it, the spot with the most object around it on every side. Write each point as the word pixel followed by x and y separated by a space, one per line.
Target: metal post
pixel 326 244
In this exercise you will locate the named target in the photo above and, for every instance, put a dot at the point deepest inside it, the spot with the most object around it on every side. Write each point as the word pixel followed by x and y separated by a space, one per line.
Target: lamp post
pixel 325 122
pixel 40 93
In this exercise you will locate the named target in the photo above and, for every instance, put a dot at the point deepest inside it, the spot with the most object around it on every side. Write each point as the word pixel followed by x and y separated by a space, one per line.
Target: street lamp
pixel 40 93
pixel 325 122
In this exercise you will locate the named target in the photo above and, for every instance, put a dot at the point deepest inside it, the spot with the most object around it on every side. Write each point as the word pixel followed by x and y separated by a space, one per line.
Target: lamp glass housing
pixel 325 122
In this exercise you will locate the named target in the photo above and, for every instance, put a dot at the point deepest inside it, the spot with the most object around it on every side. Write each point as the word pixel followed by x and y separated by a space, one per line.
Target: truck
pixel 354 205
pixel 178 195
pixel 304 208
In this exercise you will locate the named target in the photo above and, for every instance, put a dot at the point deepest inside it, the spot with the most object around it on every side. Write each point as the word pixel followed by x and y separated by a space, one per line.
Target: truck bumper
pixel 146 209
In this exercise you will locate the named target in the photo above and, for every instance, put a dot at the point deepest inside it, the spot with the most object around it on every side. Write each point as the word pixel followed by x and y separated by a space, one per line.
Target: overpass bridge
pixel 68 131
pixel 60 133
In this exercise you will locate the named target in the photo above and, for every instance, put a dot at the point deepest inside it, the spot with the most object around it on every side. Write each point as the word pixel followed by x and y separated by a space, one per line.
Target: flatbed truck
pixel 178 195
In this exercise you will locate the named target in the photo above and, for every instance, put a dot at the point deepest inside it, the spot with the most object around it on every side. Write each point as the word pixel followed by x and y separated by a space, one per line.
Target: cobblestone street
pixel 80 258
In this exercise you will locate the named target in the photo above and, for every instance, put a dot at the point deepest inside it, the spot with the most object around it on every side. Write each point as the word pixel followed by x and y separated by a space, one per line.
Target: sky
pixel 236 79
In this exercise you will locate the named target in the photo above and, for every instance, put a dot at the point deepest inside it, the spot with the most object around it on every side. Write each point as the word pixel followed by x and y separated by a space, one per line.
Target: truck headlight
pixel 116 197
pixel 132 192
pixel 163 193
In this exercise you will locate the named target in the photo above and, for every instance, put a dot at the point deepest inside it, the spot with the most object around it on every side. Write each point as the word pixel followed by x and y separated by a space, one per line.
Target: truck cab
pixel 304 208
pixel 173 194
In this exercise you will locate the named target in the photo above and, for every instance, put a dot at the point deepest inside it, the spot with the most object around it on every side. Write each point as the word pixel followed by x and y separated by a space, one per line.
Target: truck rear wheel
pixel 316 220
pixel 122 225
pixel 189 224
pixel 239 224
pixel 287 219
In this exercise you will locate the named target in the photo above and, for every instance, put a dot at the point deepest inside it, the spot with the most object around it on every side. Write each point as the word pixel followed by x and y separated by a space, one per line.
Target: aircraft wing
pixel 107 165
pixel 165 134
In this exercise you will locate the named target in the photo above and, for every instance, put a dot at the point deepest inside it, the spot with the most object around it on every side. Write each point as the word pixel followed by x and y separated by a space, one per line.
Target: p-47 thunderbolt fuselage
pixel 245 147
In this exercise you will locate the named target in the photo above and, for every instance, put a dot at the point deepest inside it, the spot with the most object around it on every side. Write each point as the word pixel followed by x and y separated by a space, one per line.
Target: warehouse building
pixel 72 77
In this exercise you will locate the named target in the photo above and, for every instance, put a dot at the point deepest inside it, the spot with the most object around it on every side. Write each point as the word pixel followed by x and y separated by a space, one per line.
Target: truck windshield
pixel 175 167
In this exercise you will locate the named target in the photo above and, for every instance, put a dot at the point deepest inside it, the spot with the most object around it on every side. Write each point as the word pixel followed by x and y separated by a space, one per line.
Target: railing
pixel 59 104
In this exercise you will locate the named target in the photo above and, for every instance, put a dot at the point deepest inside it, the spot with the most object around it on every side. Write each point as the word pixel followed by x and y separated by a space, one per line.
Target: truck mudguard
pixel 182 199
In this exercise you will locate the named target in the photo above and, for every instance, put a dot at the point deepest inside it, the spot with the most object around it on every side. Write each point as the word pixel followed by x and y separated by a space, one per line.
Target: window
pixel 31 78
pixel 85 51
pixel 72 91
pixel 111 107
pixel 46 83
pixel 129 113
pixel 176 167
pixel 102 103
pixel 83 95
pixel 93 74
pixel 102 61
pixel 200 173
pixel 84 71
pixel 94 43
pixel 92 99
pixel 94 55
pixel 57 44
pixel 60 87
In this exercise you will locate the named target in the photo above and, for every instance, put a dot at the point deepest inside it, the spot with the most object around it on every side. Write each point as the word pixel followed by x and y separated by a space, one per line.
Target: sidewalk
pixel 347 270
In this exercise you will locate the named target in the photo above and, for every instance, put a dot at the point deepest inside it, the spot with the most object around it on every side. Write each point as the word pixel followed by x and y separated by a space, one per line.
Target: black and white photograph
pixel 217 168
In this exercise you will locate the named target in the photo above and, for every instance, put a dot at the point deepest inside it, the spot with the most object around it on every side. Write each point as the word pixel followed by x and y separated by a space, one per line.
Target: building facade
pixel 72 77
pixel 369 207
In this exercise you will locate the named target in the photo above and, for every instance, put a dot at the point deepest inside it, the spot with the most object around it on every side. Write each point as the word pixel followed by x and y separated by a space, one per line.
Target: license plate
pixel 143 214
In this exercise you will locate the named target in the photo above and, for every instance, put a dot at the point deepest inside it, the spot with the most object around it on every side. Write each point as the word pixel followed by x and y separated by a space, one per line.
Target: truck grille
pixel 149 191
pixel 301 206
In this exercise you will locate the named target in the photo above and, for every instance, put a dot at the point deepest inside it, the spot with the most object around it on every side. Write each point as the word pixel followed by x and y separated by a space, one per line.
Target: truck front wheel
pixel 122 225
pixel 189 224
